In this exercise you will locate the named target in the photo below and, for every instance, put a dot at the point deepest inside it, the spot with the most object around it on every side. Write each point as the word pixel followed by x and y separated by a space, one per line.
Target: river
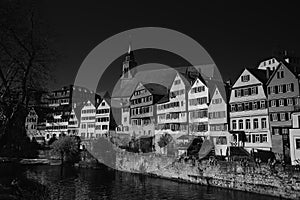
pixel 68 183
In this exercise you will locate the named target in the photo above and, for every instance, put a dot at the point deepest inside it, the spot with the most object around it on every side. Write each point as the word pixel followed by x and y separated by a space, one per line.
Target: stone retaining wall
pixel 225 175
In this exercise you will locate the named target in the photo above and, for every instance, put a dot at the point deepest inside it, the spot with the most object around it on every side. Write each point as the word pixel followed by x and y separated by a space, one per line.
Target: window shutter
pixel 277 102
pixel 285 102
pixel 284 88
pixel 292 87
pixel 276 89
pixel 261 138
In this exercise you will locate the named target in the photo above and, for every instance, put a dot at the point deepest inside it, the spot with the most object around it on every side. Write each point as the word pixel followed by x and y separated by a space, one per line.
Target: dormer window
pixel 280 74
pixel 245 78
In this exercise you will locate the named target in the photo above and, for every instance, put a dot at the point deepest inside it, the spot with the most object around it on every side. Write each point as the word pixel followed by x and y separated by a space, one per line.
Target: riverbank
pixel 230 175
pixel 220 174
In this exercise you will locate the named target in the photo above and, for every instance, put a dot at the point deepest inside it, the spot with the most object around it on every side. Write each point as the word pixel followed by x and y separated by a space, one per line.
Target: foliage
pixel 25 58
pixel 66 147
pixel 164 140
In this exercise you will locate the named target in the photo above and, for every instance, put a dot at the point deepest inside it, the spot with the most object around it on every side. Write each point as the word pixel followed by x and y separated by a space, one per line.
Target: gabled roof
pixel 156 89
pixel 294 70
pixel 221 93
pixel 260 74
pixel 163 77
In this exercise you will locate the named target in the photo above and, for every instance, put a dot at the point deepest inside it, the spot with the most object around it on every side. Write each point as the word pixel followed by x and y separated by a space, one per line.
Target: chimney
pixel 268 72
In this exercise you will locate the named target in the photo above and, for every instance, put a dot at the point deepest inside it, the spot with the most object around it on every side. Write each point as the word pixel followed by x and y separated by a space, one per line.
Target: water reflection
pixel 70 183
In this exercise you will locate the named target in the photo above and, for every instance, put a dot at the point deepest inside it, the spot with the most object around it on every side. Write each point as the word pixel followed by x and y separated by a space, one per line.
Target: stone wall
pixel 221 174
pixel 232 175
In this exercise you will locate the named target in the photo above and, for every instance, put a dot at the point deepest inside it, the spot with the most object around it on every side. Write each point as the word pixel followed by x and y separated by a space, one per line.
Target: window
pixel 290 102
pixel 274 117
pixel 280 89
pixel 273 103
pixel 238 93
pixel 247 106
pixel 297 143
pixel 234 124
pixel 104 127
pixel 280 74
pixel 290 87
pixel 245 78
pixel 254 90
pixel 285 131
pixel 254 105
pixel 257 138
pixel 282 116
pixel 262 104
pixel 233 108
pixel 263 123
pixel 264 138
pixel 241 124
pixel 177 82
pixel 281 102
pixel 248 126
pixel 240 107
pixel 255 123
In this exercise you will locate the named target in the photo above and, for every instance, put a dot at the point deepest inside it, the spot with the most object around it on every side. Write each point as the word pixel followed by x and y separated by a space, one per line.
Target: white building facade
pixel 172 115
pixel 87 121
pixel 249 111
pixel 295 139
pixel 198 99
pixel 218 123
pixel 102 119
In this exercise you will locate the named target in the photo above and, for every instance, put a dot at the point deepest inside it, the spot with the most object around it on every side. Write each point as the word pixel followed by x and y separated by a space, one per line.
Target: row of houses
pixel 71 110
pixel 254 112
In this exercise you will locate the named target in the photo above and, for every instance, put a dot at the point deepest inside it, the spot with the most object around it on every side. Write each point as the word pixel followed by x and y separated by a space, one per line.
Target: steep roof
pixel 209 75
pixel 156 89
pixel 293 69
pixel 260 74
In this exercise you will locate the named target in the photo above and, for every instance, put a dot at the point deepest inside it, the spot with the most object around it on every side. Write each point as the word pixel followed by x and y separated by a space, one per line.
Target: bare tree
pixel 25 56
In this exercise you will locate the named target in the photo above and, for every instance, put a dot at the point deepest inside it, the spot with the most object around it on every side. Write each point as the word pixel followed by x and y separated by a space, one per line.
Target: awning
pixel 205 149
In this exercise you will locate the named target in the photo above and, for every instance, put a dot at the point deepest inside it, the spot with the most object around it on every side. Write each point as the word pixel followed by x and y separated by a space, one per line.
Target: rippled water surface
pixel 83 184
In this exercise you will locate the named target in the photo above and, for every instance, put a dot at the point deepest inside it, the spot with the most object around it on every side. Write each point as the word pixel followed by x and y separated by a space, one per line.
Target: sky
pixel 236 34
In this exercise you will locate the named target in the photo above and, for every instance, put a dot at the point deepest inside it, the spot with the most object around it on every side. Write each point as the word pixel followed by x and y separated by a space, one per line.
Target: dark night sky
pixel 236 35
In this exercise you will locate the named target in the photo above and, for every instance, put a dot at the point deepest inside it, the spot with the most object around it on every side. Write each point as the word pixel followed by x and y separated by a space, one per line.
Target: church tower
pixel 128 70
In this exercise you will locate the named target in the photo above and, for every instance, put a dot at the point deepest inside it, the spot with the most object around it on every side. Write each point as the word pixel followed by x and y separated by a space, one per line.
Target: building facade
pixel 283 99
pixel 61 104
pixel 198 99
pixel 87 121
pixel 248 109
pixel 143 116
pixel 218 122
pixel 172 116
pixel 102 118
pixel 294 139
